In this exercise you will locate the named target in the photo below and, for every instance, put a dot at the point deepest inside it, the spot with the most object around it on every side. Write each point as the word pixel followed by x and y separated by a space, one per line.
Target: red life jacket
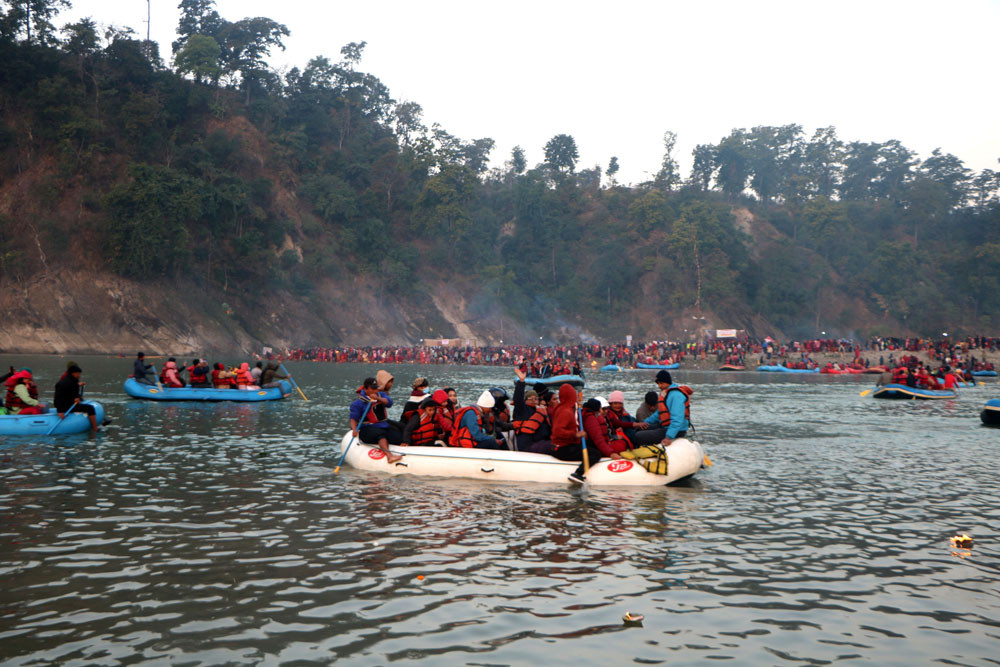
pixel 530 425
pixel 661 405
pixel 13 401
pixel 425 433
pixel 460 435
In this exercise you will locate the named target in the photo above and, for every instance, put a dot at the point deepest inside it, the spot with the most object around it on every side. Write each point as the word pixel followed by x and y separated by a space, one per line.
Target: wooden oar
pixel 294 383
pixel 348 448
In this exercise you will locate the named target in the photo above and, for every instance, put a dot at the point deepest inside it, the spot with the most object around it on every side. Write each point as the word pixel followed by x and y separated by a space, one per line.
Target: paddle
pixel 56 425
pixel 865 392
pixel 348 448
pixel 157 376
pixel 294 383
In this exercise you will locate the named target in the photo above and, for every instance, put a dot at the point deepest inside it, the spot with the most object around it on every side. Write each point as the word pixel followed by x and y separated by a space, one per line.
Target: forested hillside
pixel 313 208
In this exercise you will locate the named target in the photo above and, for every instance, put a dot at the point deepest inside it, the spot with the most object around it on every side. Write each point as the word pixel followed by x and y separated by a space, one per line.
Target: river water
pixel 213 534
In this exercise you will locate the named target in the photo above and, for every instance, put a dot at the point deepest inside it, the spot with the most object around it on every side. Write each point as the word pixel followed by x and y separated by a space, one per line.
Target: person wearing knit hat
pixel 385 380
pixel 621 422
pixel 672 417
pixel 469 421
pixel 416 397
pixel 532 429
pixel 445 414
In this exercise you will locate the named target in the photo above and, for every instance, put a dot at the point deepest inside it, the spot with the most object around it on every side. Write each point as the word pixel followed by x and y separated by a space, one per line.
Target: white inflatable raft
pixel 684 459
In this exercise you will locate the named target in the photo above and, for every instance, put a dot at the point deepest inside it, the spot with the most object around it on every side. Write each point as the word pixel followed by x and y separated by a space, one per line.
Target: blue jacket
pixel 470 422
pixel 358 409
pixel 675 404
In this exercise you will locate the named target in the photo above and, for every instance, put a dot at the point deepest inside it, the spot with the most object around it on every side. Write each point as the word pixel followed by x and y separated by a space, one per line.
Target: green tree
pixel 561 153
pixel 246 44
pixel 612 170
pixel 32 19
pixel 703 167
pixel 198 17
pixel 199 57
pixel 517 162
pixel 668 177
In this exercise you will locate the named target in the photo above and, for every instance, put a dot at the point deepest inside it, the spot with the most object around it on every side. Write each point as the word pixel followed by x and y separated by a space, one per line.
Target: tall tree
pixel 703 167
pixel 198 17
pixel 247 43
pixel 612 171
pixel 561 153
pixel 199 57
pixel 30 18
pixel 668 177
pixel 518 163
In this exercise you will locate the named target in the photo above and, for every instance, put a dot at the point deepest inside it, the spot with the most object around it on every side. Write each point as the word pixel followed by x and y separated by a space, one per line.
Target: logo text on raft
pixel 375 454
pixel 620 465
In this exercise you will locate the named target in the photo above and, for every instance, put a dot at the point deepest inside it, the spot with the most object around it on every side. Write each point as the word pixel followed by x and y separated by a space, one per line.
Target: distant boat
pixel 154 393
pixel 611 368
pixel 991 412
pixel 732 367
pixel 75 422
pixel 901 391
pixel 985 374
pixel 657 367
pixel 557 380
pixel 782 369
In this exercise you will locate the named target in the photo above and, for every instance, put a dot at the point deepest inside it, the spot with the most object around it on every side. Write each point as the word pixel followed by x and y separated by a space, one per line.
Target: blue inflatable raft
pixel 984 374
pixel 154 393
pixel 611 367
pixel 557 380
pixel 75 422
pixel 782 369
pixel 991 412
pixel 657 367
pixel 904 392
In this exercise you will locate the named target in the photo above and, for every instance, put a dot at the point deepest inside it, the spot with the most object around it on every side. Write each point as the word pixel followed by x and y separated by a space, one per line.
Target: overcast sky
pixel 617 75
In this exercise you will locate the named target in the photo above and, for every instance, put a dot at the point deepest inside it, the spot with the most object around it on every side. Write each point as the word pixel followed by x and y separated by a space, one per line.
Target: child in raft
pixel 373 430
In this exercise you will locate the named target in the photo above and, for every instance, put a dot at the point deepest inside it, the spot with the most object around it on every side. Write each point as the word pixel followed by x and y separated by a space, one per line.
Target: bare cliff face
pixel 105 314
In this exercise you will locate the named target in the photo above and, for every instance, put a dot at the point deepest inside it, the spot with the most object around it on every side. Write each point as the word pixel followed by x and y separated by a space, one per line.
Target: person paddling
pixel 67 394
pixel 374 430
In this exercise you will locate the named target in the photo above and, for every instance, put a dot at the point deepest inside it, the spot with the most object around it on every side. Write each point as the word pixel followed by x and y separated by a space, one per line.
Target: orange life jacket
pixel 530 425
pixel 426 432
pixel 460 435
pixel 661 405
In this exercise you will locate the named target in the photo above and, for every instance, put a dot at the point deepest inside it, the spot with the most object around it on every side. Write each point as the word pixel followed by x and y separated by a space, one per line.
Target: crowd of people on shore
pixel 559 423
pixel 730 351
pixel 22 396
pixel 199 374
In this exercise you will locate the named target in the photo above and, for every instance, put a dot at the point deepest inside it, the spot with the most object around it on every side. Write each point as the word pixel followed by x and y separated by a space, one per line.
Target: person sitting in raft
pixel 256 372
pixel 532 431
pixel 67 394
pixel 244 380
pixel 221 378
pixel 374 430
pixel 444 414
pixel 497 420
pixel 648 406
pixel 271 377
pixel 423 429
pixel 468 431
pixel 418 394
pixel 7 376
pixel 567 434
pixel 22 394
pixel 140 369
pixel 619 421
pixel 199 374
pixel 170 377
pixel 598 431
pixel 950 381
pixel 672 417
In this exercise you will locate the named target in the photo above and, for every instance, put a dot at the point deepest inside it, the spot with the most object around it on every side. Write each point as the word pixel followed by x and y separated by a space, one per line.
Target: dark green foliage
pixel 247 179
